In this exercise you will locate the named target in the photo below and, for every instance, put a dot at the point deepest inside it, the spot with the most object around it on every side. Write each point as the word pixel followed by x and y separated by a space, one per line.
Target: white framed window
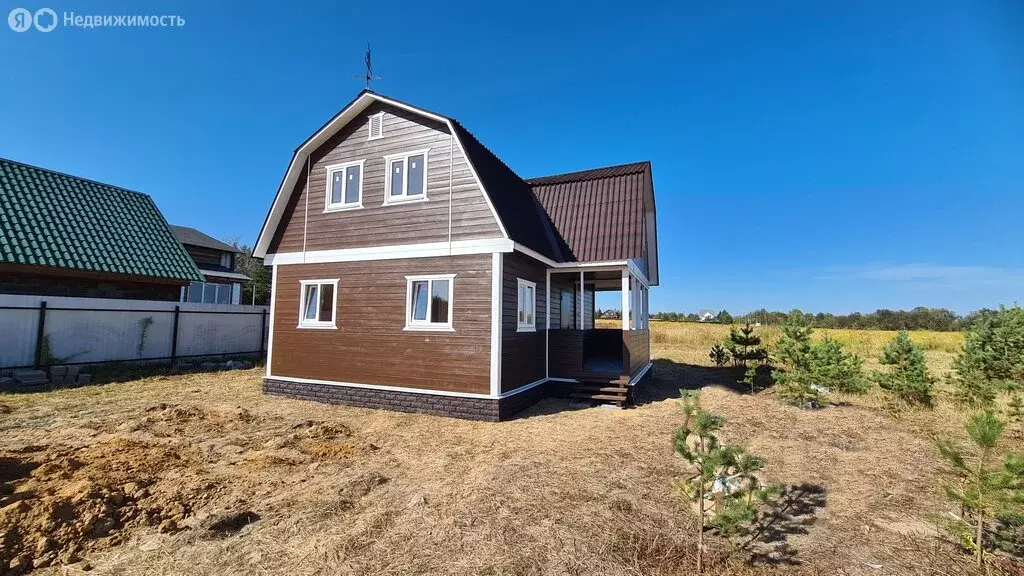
pixel 406 178
pixel 344 186
pixel 225 260
pixel 376 127
pixel 208 293
pixel 527 309
pixel 429 302
pixel 318 303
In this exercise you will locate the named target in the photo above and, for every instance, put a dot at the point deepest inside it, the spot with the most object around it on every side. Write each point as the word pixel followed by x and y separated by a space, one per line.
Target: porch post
pixel 583 293
pixel 626 297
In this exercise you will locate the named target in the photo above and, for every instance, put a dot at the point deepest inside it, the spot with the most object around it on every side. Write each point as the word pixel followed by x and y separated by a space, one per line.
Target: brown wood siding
pixel 566 353
pixel 522 353
pixel 638 343
pixel 370 345
pixel 376 224
pixel 204 257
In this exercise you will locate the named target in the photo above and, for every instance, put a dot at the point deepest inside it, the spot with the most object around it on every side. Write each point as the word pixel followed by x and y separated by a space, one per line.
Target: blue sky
pixel 831 156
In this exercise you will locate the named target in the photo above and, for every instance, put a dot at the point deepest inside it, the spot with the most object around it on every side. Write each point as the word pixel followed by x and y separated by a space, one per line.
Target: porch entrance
pixel 599 356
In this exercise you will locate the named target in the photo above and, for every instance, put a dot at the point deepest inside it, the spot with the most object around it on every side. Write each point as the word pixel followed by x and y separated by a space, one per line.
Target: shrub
pixel 836 369
pixel 723 481
pixel 992 358
pixel 980 489
pixel 719 355
pixel 813 370
pixel 745 346
pixel 907 381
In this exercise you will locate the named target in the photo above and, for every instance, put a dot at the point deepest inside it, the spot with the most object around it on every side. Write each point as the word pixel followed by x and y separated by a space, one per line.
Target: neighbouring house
pixel 61 235
pixel 217 261
pixel 413 270
pixel 706 316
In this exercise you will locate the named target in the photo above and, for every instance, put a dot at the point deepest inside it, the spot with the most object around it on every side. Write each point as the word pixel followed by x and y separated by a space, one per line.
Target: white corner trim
pixel 594 266
pixel 497 272
pixel 329 172
pixel 523 388
pixel 425 250
pixel 273 302
pixel 643 372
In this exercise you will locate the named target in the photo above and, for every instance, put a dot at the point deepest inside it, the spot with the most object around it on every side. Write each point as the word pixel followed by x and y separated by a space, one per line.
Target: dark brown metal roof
pixel 600 212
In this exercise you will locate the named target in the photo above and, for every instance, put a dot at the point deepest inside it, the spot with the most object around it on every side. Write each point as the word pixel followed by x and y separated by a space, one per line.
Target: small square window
pixel 318 303
pixel 429 302
pixel 406 177
pixel 344 186
pixel 527 308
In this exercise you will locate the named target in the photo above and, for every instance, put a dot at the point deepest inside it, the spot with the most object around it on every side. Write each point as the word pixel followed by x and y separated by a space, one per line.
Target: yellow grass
pixel 556 491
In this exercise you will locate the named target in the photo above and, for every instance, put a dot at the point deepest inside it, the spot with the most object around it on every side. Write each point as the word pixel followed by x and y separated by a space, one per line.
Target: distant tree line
pixel 920 318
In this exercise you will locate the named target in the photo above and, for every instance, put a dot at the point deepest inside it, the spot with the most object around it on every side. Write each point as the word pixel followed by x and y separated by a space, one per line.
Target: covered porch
pixel 583 348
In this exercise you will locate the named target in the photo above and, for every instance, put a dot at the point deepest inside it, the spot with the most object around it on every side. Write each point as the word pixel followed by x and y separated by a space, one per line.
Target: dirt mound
pixel 59 501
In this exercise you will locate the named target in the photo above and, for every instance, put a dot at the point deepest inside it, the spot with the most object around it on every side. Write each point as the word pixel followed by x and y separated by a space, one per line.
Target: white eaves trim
pixel 295 169
pixel 584 266
pixel 425 250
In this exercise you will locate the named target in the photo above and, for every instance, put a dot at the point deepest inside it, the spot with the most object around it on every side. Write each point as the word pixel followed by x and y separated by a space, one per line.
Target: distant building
pixel 61 235
pixel 706 316
pixel 217 261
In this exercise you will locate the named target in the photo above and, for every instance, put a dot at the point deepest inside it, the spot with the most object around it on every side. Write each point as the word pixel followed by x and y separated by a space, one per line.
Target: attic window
pixel 376 126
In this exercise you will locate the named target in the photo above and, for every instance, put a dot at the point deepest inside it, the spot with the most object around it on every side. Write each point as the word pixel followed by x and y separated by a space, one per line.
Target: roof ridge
pixel 639 166
pixel 79 178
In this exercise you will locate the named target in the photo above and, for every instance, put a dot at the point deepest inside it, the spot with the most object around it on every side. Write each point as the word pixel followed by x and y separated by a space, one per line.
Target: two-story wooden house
pixel 414 270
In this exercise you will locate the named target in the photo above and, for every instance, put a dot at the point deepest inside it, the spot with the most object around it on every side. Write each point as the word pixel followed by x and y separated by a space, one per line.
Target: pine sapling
pixel 907 381
pixel 719 355
pixel 745 346
pixel 981 489
pixel 722 479
pixel 837 370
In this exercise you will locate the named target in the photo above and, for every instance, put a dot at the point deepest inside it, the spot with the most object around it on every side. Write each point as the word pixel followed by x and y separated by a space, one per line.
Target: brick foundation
pixel 492 409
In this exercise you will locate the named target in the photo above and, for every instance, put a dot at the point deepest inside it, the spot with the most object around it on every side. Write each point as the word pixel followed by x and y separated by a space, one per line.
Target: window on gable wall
pixel 527 310
pixel 429 302
pixel 406 176
pixel 319 300
pixel 344 186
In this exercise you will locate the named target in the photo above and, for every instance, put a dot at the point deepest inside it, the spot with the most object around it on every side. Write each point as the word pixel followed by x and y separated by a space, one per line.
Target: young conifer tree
pixel 981 487
pixel 907 381
pixel 794 383
pixel 722 478
pixel 745 346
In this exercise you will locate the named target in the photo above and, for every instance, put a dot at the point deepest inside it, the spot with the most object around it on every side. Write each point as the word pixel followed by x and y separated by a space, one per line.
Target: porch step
pixel 597 388
pixel 617 398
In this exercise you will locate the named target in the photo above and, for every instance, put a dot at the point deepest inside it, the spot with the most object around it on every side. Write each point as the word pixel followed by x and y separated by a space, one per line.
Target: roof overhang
pixel 332 127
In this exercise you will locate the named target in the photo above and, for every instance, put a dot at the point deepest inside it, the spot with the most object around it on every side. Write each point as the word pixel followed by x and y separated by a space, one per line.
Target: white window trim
pixel 526 326
pixel 428 326
pixel 380 122
pixel 388 198
pixel 336 207
pixel 318 325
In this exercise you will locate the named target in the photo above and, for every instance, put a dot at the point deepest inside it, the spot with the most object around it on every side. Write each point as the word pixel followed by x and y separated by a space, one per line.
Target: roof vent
pixel 376 126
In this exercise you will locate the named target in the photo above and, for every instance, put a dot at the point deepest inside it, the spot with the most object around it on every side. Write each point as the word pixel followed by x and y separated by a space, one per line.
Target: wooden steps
pixel 612 389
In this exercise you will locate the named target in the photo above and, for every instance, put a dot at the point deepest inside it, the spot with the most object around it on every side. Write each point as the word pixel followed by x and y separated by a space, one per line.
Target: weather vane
pixel 368 76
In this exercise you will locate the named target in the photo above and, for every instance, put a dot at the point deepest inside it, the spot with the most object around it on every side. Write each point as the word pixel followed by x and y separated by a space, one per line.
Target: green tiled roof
pixel 53 219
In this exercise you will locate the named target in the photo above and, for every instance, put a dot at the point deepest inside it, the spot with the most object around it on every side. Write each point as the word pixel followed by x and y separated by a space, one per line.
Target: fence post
pixel 40 333
pixel 263 330
pixel 174 335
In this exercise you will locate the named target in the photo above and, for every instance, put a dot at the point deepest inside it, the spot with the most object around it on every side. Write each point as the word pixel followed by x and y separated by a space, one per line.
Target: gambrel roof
pixel 570 217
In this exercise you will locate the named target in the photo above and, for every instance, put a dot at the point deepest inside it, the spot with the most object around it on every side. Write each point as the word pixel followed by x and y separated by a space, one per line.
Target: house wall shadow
pixel 669 377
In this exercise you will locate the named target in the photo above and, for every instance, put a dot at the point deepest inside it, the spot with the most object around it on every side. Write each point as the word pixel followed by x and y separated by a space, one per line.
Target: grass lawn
pixel 202 474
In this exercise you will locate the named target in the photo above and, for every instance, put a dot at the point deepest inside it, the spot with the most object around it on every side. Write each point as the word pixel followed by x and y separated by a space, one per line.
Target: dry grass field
pixel 202 474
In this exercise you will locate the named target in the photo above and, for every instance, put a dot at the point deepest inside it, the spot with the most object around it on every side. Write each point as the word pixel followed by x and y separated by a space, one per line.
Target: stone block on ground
pixel 5 381
pixel 30 377
pixel 246 365
pixel 57 373
pixel 72 375
pixel 83 379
